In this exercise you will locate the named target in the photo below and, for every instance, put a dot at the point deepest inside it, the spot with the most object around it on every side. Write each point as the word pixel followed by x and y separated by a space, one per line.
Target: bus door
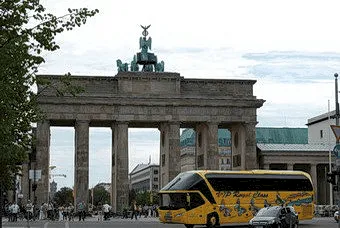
pixel 196 211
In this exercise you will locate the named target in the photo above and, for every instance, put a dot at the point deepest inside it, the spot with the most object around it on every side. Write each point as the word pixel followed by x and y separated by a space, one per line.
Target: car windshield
pixel 268 212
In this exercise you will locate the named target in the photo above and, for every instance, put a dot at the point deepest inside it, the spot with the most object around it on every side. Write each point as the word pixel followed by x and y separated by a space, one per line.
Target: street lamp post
pixel 337 141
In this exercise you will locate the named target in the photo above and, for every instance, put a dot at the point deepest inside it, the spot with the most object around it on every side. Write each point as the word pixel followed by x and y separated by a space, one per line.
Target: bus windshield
pixel 175 201
pixel 184 181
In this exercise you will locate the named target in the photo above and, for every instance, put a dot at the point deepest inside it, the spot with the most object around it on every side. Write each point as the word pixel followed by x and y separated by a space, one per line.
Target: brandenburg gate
pixel 150 98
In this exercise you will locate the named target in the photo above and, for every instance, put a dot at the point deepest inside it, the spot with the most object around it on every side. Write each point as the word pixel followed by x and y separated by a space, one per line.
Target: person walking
pixel 100 211
pixel 106 210
pixel 15 211
pixel 70 212
pixel 61 213
pixel 29 210
pixel 134 209
pixel 50 211
pixel 81 211
pixel 10 212
pixel 125 211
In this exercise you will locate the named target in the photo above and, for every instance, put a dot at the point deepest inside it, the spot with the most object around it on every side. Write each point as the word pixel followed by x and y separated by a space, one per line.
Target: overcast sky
pixel 290 47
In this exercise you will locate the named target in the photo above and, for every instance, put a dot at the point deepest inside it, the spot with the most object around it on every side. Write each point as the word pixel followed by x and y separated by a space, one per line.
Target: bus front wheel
pixel 212 221
pixel 188 225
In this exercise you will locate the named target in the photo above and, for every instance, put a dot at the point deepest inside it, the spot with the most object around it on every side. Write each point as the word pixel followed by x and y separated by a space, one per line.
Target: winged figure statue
pixel 144 44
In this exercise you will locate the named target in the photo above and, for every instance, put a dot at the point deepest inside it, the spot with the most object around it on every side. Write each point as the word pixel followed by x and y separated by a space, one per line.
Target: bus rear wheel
pixel 188 225
pixel 212 221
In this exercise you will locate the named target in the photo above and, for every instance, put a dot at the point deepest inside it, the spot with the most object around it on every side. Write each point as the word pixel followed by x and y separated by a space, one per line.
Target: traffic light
pixel 34 187
pixel 331 178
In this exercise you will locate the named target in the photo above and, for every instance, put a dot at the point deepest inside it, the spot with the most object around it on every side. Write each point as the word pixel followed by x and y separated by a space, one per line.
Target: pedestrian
pixel 29 210
pixel 100 211
pixel 140 209
pixel 41 212
pixel 134 209
pixel 10 213
pixel 70 211
pixel 81 211
pixel 44 210
pixel 125 211
pixel 61 213
pixel 50 211
pixel 106 210
pixel 15 211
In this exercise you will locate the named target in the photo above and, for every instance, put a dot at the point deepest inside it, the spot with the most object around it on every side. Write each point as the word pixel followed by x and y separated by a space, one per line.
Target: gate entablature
pixel 149 97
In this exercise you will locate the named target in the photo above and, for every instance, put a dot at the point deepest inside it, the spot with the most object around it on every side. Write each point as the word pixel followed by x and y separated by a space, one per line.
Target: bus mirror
pixel 188 202
pixel 188 199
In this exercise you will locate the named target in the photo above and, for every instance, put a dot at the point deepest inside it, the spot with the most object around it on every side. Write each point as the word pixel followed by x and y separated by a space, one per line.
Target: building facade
pixel 319 129
pixel 145 177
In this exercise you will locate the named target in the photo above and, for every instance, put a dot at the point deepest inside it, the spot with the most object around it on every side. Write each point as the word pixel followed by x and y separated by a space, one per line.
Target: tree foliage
pixel 26 30
pixel 64 196
pixel 147 198
pixel 100 195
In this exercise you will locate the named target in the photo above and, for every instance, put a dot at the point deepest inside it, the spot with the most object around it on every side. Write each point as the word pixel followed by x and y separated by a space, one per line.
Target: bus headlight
pixel 179 215
pixel 271 221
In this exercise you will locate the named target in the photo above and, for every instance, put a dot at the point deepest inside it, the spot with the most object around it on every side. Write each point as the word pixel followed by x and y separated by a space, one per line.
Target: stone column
pixel 207 146
pixel 81 162
pixel 212 147
pixel 290 166
pixel 250 158
pixel 170 160
pixel 42 161
pixel 237 147
pixel 120 166
pixel 313 174
pixel 201 146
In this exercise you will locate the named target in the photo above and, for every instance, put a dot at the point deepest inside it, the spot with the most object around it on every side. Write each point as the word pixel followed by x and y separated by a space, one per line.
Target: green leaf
pixel 21 48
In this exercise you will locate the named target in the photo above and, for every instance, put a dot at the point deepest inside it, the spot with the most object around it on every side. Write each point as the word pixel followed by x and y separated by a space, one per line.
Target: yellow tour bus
pixel 213 198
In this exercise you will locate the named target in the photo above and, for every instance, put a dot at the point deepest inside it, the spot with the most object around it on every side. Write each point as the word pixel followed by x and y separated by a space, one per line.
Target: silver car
pixel 274 217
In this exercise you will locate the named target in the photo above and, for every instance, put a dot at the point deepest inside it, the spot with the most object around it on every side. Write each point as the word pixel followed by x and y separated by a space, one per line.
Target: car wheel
pixel 188 225
pixel 212 221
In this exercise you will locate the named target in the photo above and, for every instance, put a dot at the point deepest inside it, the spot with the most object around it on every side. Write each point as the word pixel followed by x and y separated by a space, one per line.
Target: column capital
pixel 213 122
pixel 44 121
pixel 174 123
pixel 252 123
pixel 115 123
pixel 82 122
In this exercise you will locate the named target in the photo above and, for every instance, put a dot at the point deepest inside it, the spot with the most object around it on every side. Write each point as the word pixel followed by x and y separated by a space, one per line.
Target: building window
pixel 155 186
pixel 155 171
pixel 237 160
pixel 321 134
pixel 155 179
